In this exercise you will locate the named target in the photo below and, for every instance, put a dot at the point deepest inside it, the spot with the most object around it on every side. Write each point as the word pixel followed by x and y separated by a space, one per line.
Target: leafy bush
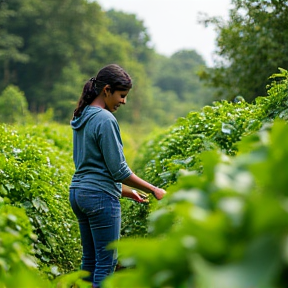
pixel 134 215
pixel 16 239
pixel 227 227
pixel 35 175
pixel 219 219
pixel 18 266
pixel 221 125
pixel 35 172
pixel 13 105
pixel 54 133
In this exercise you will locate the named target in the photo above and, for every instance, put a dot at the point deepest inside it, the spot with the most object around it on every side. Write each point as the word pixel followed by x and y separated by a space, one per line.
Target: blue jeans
pixel 99 217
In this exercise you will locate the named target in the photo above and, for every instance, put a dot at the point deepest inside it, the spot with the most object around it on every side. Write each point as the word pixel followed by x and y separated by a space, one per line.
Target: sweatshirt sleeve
pixel 111 146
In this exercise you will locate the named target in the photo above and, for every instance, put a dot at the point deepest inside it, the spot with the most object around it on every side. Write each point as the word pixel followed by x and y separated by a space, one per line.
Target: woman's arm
pixel 138 183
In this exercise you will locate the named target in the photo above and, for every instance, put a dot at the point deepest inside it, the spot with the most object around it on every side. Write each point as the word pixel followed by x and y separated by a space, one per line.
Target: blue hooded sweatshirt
pixel 98 152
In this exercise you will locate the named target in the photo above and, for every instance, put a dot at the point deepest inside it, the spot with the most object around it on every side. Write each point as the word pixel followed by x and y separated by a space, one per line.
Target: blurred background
pixel 182 55
pixel 48 50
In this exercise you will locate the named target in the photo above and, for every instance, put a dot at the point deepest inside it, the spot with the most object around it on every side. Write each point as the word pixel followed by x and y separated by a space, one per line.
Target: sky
pixel 173 24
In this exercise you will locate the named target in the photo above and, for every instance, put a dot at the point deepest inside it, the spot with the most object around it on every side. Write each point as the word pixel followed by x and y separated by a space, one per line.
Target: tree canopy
pixel 50 49
pixel 251 45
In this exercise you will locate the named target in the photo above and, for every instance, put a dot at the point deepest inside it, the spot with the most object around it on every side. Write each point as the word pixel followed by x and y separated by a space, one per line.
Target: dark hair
pixel 112 75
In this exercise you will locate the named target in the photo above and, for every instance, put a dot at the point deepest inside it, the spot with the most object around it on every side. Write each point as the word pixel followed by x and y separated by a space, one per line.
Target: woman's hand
pixel 158 193
pixel 138 183
pixel 140 197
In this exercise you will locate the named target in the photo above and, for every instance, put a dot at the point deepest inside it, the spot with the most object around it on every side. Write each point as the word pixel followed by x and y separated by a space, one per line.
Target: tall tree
pixel 131 28
pixel 251 46
pixel 67 42
pixel 13 105
pixel 55 33
pixel 10 45
pixel 179 74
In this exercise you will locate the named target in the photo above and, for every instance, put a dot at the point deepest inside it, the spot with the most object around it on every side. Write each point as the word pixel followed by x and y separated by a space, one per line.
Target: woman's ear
pixel 106 90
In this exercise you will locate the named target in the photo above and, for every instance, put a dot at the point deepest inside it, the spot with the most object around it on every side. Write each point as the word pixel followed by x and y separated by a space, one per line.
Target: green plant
pixel 35 175
pixel 222 125
pixel 13 105
pixel 224 228
pixel 16 239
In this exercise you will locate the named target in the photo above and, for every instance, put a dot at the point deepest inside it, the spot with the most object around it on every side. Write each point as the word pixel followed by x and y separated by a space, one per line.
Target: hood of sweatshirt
pixel 89 112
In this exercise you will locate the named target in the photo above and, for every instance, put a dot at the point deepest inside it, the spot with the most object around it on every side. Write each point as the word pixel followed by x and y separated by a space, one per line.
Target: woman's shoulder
pixel 103 115
pixel 107 115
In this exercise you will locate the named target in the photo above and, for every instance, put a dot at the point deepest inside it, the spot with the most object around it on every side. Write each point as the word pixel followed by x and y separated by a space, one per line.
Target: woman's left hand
pixel 132 194
pixel 141 198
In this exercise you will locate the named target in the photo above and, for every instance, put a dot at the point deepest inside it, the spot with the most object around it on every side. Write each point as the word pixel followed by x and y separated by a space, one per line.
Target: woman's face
pixel 115 100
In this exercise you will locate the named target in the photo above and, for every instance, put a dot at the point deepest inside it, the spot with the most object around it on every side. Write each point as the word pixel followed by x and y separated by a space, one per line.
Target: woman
pixel 101 170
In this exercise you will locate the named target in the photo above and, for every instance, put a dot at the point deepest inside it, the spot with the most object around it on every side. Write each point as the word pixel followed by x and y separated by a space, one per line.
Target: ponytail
pixel 89 93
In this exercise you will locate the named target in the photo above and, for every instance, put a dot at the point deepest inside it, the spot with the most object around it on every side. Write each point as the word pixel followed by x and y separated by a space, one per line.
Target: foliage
pixel 10 45
pixel 224 228
pixel 221 125
pixel 35 175
pixel 134 218
pixel 17 265
pixel 134 215
pixel 13 106
pixel 178 74
pixel 49 50
pixel 129 27
pixel 251 45
pixel 16 239
pixel 36 164
pixel 50 32
pixel 65 93
pixel 237 201
pixel 56 135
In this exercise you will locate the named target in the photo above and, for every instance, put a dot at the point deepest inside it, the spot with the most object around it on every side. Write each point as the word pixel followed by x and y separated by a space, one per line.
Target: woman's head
pixel 113 75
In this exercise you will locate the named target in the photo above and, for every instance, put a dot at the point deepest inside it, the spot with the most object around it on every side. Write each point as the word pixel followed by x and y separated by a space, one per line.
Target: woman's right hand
pixel 158 193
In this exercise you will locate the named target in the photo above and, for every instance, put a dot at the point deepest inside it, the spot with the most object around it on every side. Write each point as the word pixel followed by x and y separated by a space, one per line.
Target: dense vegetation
pixel 251 45
pixel 35 175
pixel 49 50
pixel 225 218
pixel 225 195
pixel 224 228
pixel 224 164
pixel 41 54
pixel 221 125
pixel 36 168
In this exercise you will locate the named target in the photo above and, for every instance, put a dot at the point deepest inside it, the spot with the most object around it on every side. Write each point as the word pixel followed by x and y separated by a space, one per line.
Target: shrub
pixel 35 175
pixel 224 228
pixel 16 239
pixel 222 125
pixel 13 105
